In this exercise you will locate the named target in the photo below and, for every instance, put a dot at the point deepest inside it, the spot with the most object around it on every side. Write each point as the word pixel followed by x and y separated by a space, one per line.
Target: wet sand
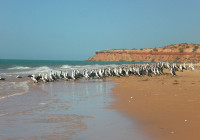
pixel 166 107
pixel 65 110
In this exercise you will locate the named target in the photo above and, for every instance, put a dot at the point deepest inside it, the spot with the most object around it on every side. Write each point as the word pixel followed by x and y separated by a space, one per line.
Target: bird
pixel 118 71
pixel 173 72
pixel 18 76
pixel 181 68
pixel 2 78
pixel 191 66
pixel 34 79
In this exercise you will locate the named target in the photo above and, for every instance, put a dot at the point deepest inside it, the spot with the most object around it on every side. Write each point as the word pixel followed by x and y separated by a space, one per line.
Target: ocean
pixel 76 109
pixel 7 65
pixel 9 69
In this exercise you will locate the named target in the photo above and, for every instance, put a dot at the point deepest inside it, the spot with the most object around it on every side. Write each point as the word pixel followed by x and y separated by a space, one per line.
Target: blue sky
pixel 75 29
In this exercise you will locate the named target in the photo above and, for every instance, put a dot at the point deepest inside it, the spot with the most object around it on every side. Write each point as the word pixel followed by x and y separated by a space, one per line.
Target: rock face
pixel 173 53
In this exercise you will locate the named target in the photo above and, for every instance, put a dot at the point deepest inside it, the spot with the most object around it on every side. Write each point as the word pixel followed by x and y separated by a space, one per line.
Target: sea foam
pixel 43 69
pixel 9 89
pixel 65 67
pixel 19 68
pixel 36 70
pixel 81 67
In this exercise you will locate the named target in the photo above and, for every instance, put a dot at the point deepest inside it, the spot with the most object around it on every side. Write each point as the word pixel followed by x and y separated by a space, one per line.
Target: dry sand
pixel 167 107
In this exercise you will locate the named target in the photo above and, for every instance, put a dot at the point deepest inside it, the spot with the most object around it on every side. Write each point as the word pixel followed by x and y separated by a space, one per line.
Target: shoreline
pixel 166 107
pixel 65 110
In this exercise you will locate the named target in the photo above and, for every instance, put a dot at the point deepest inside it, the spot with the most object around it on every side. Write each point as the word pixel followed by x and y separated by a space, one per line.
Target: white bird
pixel 191 66
pixel 100 73
pixel 34 79
pixel 85 74
pixel 73 74
pixel 184 66
pixel 173 72
pixel 18 76
pixel 2 78
pixel 181 68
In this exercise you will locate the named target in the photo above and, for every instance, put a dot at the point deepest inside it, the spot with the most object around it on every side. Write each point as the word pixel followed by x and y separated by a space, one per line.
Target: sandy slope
pixel 168 108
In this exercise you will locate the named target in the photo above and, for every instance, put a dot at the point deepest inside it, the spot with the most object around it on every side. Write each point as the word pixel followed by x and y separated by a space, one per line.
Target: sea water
pixel 59 110
pixel 9 69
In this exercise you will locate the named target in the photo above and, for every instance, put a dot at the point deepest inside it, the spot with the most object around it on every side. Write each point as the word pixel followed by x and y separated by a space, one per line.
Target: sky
pixel 75 29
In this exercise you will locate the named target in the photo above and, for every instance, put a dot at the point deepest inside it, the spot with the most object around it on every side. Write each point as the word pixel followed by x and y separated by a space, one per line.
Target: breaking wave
pixel 43 69
pixel 9 89
pixel 86 66
pixel 19 68
pixel 65 67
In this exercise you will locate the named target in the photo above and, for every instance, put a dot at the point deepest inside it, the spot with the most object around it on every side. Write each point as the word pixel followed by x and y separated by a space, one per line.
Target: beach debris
pixel 131 97
pixel 175 82
pixel 172 132
pixel 185 120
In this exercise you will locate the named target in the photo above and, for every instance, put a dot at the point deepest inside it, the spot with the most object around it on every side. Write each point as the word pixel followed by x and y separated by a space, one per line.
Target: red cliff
pixel 173 53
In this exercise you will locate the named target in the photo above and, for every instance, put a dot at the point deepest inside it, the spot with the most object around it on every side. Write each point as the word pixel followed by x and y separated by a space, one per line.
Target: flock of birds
pixel 138 70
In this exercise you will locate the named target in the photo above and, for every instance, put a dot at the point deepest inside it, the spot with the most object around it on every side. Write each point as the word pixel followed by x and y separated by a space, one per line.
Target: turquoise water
pixel 36 66
pixel 9 69
pixel 8 63
pixel 25 67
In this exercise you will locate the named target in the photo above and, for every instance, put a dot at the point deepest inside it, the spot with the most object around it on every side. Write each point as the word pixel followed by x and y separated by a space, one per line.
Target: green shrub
pixel 187 46
pixel 153 60
pixel 177 58
pixel 181 50
pixel 195 48
pixel 155 50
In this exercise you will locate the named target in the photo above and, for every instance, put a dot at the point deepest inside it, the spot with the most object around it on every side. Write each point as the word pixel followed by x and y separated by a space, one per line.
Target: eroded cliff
pixel 173 53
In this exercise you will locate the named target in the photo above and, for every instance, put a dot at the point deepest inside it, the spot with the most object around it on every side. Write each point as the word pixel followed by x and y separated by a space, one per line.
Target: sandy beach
pixel 163 107
pixel 166 107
